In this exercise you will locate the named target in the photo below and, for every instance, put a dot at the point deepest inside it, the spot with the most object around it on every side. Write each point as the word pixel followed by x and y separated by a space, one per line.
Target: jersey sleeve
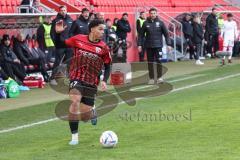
pixel 107 59
pixel 70 41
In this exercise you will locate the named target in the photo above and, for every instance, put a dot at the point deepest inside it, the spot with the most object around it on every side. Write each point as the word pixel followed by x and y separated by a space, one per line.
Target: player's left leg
pixel 74 112
pixel 225 49
pixel 230 50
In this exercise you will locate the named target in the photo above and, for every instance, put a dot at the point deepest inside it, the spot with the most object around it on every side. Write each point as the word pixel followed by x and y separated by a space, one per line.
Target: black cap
pixel 5 37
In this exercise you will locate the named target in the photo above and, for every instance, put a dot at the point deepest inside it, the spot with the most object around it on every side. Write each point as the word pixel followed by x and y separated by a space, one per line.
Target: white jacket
pixel 229 30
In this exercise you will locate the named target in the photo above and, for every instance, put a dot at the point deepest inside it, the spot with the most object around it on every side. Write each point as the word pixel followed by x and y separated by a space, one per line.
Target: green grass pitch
pixel 200 123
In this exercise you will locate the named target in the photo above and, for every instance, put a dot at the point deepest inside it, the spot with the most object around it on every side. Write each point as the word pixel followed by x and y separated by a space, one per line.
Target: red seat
pixel 3 3
pixel 10 9
pixel 8 2
pixel 4 9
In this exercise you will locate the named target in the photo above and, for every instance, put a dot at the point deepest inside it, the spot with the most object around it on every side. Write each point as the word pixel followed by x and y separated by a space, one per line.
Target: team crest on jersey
pixel 157 24
pixel 98 50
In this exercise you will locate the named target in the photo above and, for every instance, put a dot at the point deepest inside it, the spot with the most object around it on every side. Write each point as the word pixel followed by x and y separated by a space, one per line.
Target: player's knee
pixel 75 96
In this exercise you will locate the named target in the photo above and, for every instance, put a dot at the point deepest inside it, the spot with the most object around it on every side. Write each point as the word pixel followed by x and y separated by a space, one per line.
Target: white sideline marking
pixel 174 90
pixel 186 78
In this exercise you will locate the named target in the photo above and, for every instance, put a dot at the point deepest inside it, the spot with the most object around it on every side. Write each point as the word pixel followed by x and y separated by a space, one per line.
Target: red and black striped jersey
pixel 88 59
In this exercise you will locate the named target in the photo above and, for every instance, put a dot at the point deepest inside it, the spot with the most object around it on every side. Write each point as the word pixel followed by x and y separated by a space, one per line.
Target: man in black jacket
pixel 9 61
pixel 61 51
pixel 188 33
pixel 123 27
pixel 197 38
pixel 80 26
pixel 139 24
pixel 212 33
pixel 27 57
pixel 153 29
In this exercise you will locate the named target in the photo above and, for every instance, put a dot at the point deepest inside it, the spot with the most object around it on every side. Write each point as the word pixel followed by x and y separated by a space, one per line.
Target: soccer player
pixel 90 55
pixel 229 34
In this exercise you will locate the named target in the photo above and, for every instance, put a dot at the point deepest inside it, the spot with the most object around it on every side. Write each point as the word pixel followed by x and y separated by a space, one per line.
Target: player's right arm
pixel 59 27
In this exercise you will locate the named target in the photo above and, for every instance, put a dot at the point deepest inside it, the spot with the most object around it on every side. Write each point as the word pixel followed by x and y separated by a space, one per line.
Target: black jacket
pixel 7 54
pixel 187 29
pixel 211 25
pixel 107 35
pixel 123 27
pixel 80 26
pixel 65 34
pixel 22 51
pixel 197 33
pixel 154 30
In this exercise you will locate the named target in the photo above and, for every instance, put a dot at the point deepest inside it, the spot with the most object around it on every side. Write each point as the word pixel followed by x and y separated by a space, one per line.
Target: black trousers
pixel 40 62
pixel 3 75
pixel 190 48
pixel 117 46
pixel 62 53
pixel 142 53
pixel 212 44
pixel 198 50
pixel 14 70
pixel 154 58
pixel 50 53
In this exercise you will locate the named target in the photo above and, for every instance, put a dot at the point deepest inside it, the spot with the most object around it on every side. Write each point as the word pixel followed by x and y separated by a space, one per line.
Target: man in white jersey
pixel 229 34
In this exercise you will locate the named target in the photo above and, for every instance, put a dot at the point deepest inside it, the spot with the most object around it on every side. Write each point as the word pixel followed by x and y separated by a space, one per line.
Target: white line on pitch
pixel 174 90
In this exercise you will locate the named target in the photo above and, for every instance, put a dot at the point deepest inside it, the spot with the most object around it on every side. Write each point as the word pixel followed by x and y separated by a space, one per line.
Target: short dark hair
pixel 107 20
pixel 95 23
pixel 229 15
pixel 152 9
pixel 62 6
pixel 142 12
pixel 125 14
pixel 85 10
pixel 214 8
pixel 5 37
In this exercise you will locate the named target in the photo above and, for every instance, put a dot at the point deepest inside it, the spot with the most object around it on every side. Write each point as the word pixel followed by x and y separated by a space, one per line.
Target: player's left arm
pixel 107 68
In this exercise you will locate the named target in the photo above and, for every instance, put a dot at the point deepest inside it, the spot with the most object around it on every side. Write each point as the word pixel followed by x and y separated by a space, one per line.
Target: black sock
pixel 73 126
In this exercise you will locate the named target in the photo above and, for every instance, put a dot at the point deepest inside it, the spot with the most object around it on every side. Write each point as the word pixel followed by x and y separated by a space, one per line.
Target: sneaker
pixel 229 61
pixel 208 55
pixel 151 81
pixel 160 80
pixel 198 62
pixel 23 88
pixel 94 116
pixel 73 142
pixel 53 82
pixel 202 58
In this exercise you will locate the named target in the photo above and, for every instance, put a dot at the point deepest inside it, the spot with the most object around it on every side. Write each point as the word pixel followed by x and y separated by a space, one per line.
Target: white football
pixel 108 139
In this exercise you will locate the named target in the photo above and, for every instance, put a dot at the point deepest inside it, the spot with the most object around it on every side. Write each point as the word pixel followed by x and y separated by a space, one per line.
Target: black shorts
pixel 87 91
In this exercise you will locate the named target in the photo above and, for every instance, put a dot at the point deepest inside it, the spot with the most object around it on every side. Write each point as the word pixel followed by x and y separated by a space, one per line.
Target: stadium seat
pixel 3 3
pixel 8 2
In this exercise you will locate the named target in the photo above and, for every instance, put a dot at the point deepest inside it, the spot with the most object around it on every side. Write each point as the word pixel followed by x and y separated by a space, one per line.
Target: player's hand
pixel 60 26
pixel 139 48
pixel 103 85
